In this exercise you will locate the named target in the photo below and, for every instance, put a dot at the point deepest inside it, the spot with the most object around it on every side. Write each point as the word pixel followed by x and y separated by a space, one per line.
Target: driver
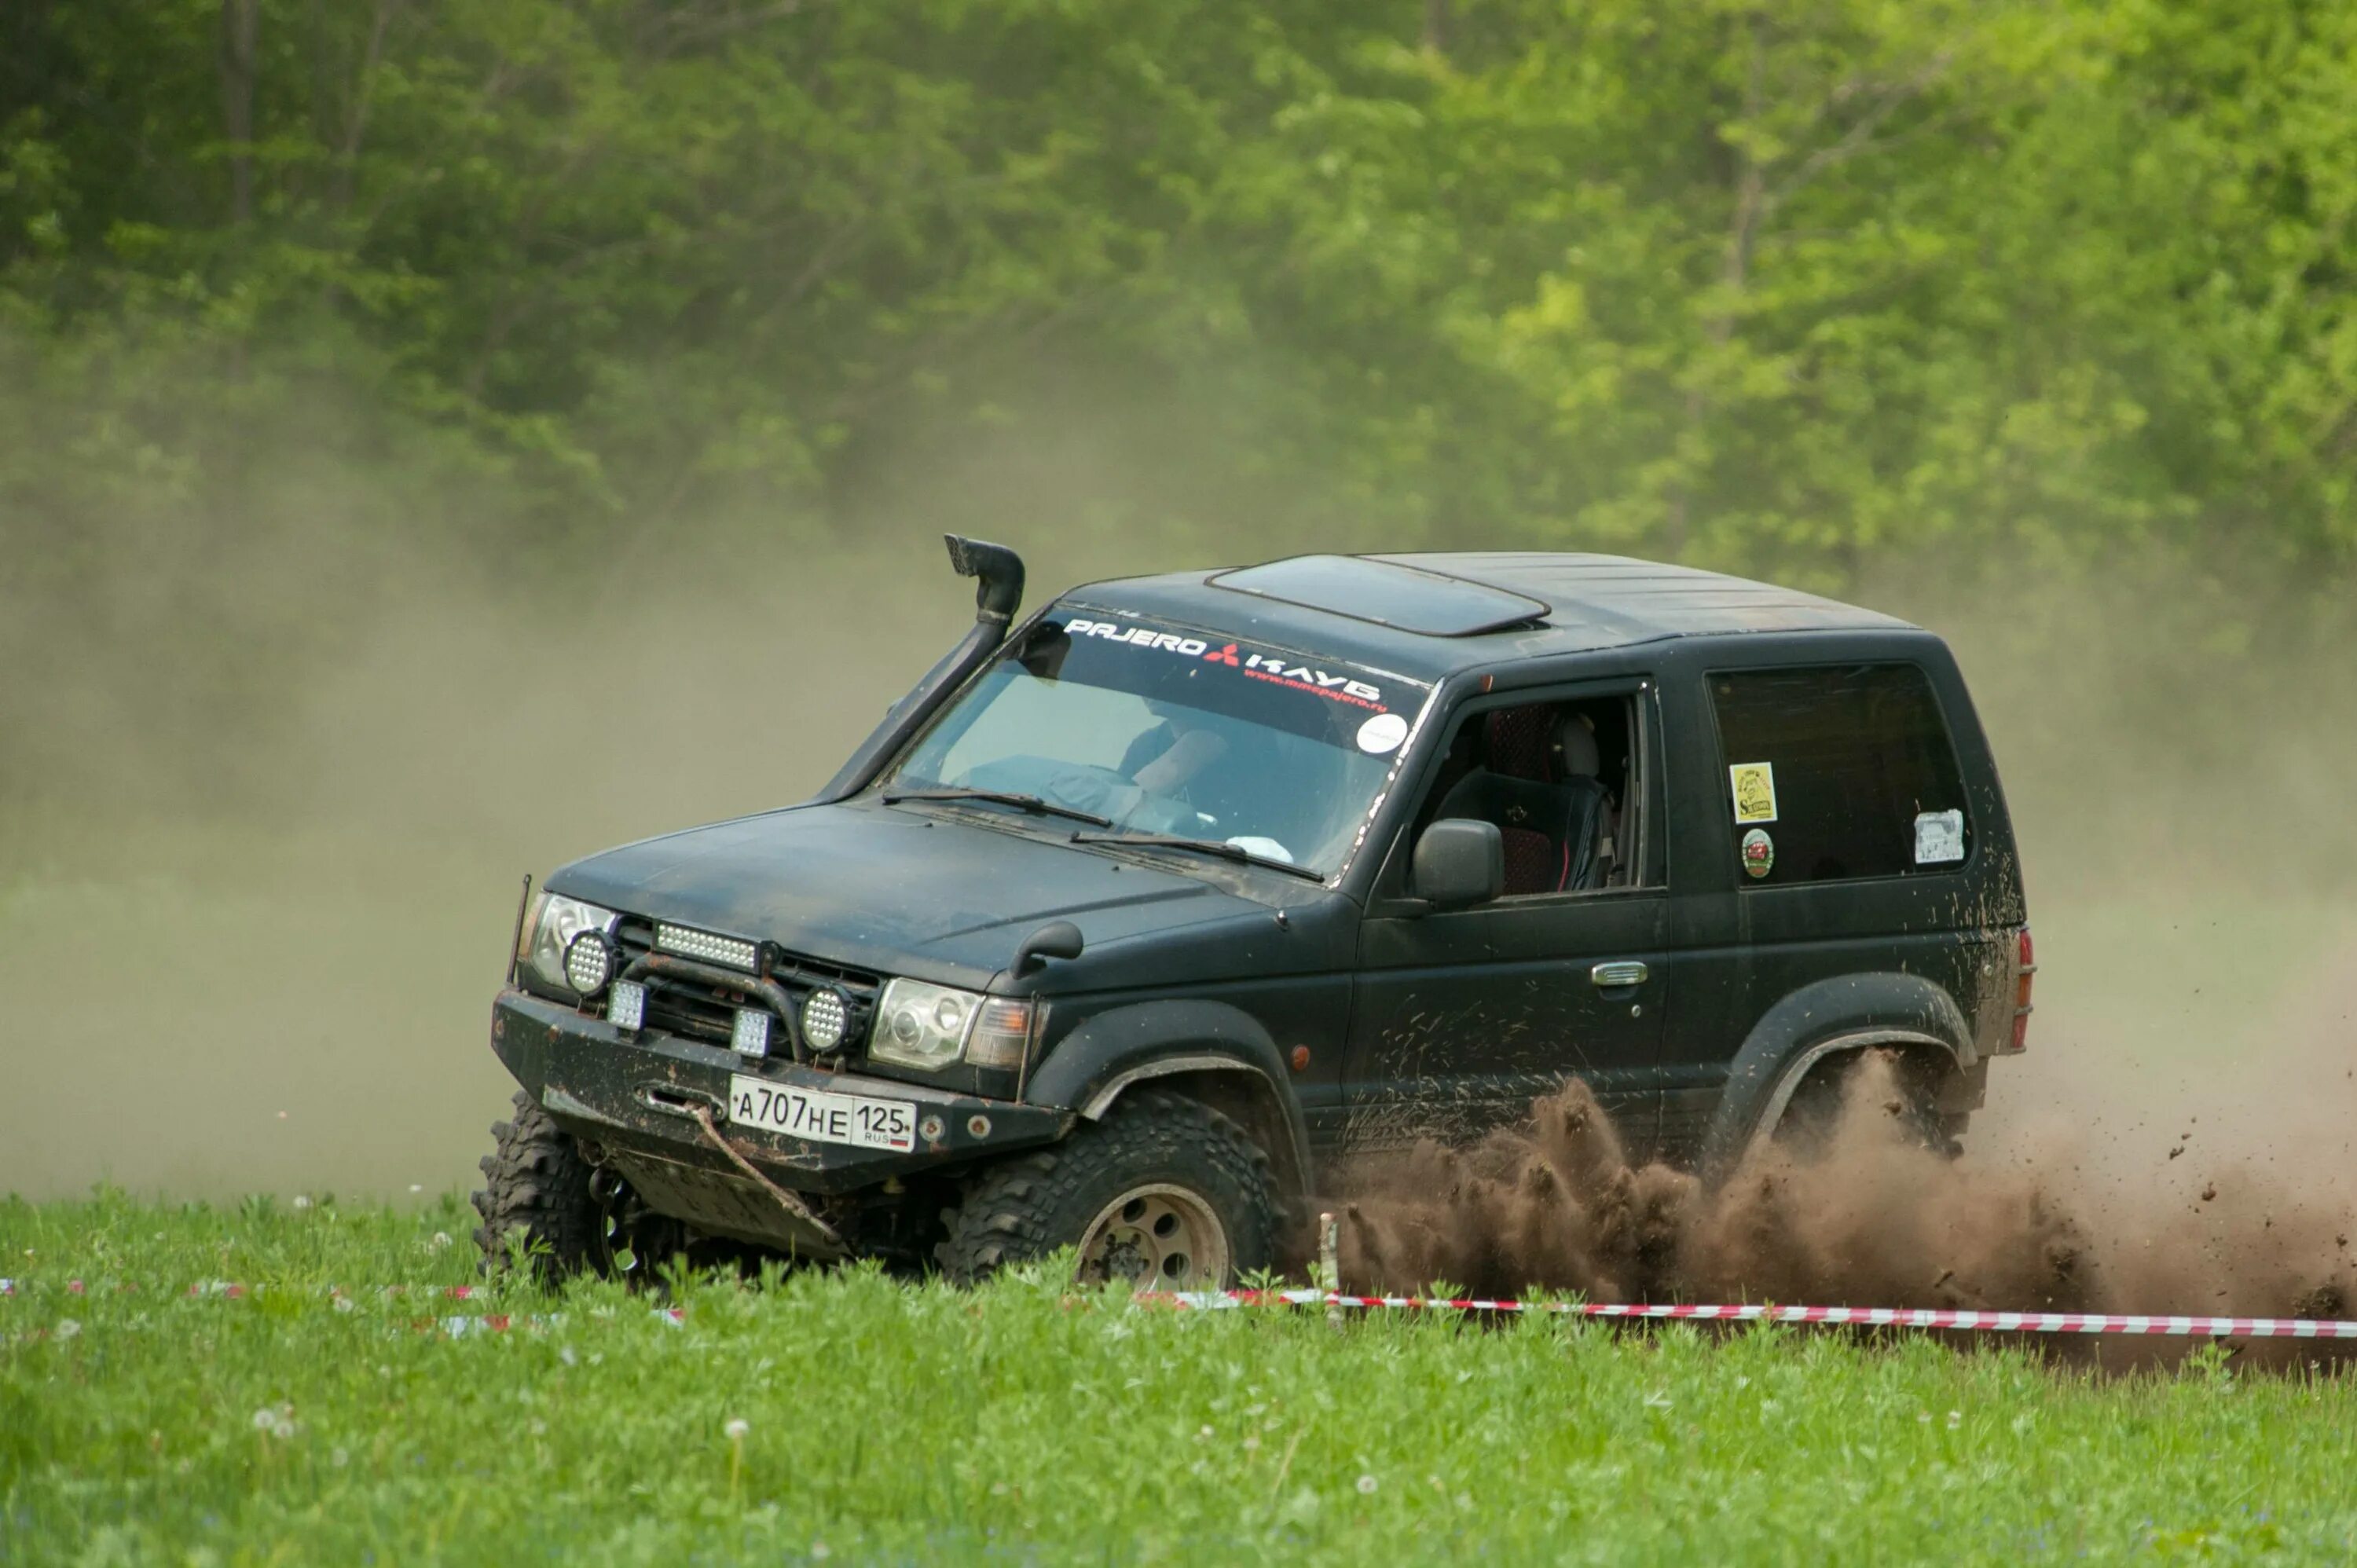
pixel 1162 760
pixel 1205 774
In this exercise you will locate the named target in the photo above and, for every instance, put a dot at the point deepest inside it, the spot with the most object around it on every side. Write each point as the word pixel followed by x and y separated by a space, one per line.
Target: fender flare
pixel 1089 1069
pixel 1819 1020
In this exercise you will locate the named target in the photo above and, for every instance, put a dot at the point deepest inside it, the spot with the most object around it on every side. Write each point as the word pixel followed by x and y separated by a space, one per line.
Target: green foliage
pixel 1781 286
pixel 1025 1423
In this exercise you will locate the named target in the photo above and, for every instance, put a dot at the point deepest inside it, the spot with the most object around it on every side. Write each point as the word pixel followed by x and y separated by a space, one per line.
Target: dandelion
pixel 566 1354
pixel 441 1241
pixel 340 1458
pixel 1251 1444
pixel 68 1328
pixel 735 1429
pixel 343 1303
pixel 1366 1486
pixel 281 1428
pixel 302 1202
pixel 1955 1418
pixel 1203 1434
pixel 1923 1418
pixel 821 1551
pixel 264 1419
pixel 416 1187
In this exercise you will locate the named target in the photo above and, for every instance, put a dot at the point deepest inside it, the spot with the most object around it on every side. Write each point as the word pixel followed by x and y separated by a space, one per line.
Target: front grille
pixel 698 1011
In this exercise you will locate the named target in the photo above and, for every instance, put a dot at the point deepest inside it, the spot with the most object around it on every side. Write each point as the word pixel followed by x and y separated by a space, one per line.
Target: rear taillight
pixel 2025 973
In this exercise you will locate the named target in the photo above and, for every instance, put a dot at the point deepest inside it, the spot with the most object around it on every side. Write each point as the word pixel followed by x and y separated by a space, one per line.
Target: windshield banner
pixel 1280 668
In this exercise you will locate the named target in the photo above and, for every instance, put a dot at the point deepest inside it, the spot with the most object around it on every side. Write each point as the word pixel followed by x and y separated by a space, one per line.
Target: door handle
pixel 1610 976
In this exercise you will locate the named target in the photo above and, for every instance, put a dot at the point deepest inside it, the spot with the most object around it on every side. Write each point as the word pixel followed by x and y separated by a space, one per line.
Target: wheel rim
pixel 1156 1237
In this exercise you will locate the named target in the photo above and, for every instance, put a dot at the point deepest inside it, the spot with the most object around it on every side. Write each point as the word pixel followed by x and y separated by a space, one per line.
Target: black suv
pixel 1132 920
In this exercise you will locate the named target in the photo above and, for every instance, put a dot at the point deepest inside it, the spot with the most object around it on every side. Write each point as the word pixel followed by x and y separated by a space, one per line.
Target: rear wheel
pixel 537 1195
pixel 1165 1193
pixel 1909 1094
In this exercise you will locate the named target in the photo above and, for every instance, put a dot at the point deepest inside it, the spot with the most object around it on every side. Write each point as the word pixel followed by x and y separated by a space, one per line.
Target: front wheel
pixel 1165 1193
pixel 537 1195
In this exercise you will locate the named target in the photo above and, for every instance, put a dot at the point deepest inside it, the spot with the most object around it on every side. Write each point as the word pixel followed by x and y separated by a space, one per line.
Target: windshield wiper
pixel 1031 803
pixel 1204 846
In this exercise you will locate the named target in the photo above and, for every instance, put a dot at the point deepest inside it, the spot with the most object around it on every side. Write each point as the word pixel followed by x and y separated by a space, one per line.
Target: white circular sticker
pixel 1383 734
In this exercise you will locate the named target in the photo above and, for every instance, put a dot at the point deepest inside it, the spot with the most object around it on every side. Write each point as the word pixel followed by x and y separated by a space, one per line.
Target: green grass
pixel 1020 1423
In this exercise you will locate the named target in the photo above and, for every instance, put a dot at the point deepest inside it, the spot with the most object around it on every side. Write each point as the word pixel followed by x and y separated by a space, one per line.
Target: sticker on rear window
pixel 1938 837
pixel 1755 791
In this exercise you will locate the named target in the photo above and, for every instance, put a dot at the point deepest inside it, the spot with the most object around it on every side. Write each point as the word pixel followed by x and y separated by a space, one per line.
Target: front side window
pixel 1166 729
pixel 1559 780
pixel 1837 773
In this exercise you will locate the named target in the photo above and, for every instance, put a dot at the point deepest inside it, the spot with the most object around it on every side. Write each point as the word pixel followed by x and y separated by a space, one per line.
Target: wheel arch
pixel 1210 1051
pixel 1819 1023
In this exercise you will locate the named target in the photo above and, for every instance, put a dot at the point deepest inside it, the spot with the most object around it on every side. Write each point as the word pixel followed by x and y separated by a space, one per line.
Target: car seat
pixel 1538 784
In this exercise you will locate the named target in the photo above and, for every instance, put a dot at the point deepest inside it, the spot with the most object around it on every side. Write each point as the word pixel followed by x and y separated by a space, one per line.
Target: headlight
pixel 932 1027
pixel 555 921
pixel 922 1025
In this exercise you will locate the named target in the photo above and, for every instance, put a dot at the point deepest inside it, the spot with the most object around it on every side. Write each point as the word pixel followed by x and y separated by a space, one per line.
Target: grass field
pixel 1021 1424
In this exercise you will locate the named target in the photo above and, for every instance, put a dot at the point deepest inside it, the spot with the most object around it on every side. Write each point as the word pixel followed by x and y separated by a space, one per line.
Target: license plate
pixel 821 1116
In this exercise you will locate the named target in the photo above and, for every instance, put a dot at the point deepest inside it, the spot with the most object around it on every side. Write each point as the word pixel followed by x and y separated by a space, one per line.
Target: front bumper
pixel 633 1093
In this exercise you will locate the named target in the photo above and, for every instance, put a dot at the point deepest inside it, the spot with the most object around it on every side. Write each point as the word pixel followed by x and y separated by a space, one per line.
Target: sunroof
pixel 1387 594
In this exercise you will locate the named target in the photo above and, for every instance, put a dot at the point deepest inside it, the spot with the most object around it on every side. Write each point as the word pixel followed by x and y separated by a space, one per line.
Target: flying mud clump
pixel 1867 1216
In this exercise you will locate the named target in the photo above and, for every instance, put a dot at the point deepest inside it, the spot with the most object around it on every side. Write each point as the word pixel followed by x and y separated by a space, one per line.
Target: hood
pixel 919 893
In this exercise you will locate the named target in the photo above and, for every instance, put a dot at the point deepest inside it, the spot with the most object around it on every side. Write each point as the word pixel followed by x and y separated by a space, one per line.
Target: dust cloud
pixel 1868 1217
pixel 263 959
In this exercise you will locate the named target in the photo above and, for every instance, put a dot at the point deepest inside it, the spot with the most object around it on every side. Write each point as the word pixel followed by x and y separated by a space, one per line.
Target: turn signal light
pixel 1002 1037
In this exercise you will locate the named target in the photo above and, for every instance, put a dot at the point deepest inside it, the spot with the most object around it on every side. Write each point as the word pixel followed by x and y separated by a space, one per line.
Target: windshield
pixel 1163 730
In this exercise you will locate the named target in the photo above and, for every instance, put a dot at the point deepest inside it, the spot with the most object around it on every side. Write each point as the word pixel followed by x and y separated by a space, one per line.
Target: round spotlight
pixel 588 963
pixel 824 1020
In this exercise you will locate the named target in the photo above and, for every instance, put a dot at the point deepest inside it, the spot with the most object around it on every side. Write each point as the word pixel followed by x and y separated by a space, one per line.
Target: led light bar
pixel 731 952
pixel 626 1005
pixel 751 1036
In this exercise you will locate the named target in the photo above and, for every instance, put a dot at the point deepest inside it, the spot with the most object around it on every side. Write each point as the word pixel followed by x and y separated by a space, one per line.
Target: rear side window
pixel 1833 774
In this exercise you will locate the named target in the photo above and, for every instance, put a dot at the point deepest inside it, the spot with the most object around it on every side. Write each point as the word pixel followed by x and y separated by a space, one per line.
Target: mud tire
pixel 1028 1204
pixel 1815 1112
pixel 537 1192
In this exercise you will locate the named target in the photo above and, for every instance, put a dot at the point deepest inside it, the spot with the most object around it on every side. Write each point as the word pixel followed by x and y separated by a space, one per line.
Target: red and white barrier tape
pixel 1855 1316
pixel 501 1322
pixel 453 1326
pixel 228 1291
pixel 1960 1320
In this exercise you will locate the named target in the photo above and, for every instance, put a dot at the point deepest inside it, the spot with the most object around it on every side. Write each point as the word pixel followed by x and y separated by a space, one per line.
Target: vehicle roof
pixel 1589 603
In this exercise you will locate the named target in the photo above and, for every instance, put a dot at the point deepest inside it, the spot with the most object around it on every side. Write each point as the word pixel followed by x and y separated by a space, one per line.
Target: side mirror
pixel 1458 861
pixel 1057 938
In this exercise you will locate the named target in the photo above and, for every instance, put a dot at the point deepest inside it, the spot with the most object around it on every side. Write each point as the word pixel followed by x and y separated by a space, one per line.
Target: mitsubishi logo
pixel 1223 656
